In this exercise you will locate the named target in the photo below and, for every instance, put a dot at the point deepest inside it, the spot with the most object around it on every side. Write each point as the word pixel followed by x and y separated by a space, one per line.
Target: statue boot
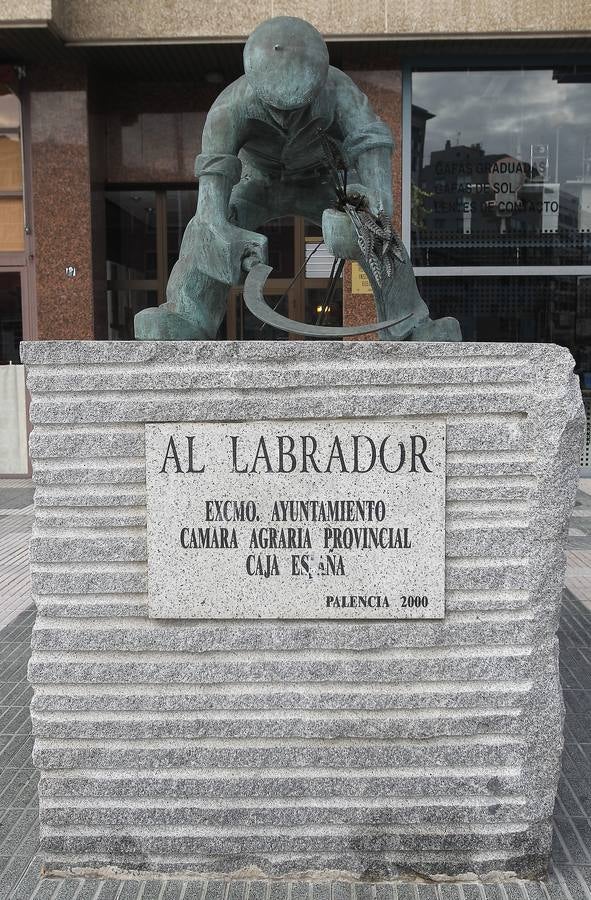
pixel 196 303
pixel 161 323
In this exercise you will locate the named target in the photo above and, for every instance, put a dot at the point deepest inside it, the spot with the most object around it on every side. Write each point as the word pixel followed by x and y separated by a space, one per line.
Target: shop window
pixel 12 232
pixel 501 167
pixel 131 235
pixel 323 310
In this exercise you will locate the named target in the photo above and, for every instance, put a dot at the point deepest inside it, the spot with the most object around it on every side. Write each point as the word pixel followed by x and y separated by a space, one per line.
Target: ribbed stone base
pixel 377 749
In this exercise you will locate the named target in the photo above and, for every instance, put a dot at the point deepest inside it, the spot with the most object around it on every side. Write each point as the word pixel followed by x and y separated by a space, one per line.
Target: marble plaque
pixel 326 519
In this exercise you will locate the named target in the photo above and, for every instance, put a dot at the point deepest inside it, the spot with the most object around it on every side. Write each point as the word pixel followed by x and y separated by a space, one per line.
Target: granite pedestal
pixel 371 748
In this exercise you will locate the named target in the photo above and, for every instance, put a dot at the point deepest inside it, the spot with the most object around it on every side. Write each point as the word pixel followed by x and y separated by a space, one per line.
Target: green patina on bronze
pixel 264 156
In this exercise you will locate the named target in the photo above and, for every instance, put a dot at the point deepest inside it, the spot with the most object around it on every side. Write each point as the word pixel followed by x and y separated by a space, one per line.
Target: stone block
pixel 372 748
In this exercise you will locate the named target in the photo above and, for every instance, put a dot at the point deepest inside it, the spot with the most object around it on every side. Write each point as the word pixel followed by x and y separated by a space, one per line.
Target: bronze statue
pixel 292 136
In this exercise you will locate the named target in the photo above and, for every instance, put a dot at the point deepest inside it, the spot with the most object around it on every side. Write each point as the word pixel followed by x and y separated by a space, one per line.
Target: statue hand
pixel 339 234
pixel 338 230
pixel 221 247
pixel 254 249
pixel 244 243
pixel 375 202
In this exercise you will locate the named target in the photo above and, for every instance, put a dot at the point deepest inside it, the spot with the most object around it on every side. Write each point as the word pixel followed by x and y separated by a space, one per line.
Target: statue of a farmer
pixel 265 156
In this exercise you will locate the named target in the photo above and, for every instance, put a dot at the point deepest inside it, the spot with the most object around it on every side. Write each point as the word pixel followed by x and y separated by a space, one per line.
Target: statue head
pixel 286 62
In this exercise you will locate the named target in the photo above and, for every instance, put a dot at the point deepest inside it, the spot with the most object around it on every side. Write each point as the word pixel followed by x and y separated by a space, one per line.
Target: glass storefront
pixel 499 211
pixel 501 168
pixel 13 280
pixel 500 203
pixel 131 234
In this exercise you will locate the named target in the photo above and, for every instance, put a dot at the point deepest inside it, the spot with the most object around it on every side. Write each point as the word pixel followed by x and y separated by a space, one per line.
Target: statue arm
pixel 374 168
pixel 217 167
pixel 221 248
pixel 367 142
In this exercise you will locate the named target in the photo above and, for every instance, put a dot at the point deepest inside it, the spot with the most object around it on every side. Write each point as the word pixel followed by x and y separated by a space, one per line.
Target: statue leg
pixel 398 297
pixel 196 303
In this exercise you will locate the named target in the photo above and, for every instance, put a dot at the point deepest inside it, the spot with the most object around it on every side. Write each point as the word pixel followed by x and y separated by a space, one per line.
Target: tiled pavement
pixel 571 870
pixel 16 518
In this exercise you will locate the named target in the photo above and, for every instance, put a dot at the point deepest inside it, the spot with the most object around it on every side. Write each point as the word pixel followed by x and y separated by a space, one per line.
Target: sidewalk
pixel 19 864
pixel 16 519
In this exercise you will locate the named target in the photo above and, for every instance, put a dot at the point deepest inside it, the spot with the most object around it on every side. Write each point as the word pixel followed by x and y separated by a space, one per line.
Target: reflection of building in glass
pixel 418 125
pixel 497 206
pixel 528 203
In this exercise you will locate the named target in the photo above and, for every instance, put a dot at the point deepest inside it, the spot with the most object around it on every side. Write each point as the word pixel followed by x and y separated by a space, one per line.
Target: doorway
pixel 13 398
pixel 144 230
pixel 11 315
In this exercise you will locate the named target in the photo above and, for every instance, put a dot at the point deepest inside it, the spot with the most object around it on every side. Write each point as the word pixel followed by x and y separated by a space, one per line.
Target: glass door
pixel 11 315
pixel 296 287
pixel 14 460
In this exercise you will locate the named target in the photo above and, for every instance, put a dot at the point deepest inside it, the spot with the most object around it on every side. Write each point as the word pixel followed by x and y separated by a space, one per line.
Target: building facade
pixel 102 106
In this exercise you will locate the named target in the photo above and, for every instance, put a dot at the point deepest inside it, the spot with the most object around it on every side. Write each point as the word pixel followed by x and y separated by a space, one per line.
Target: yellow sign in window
pixel 359 280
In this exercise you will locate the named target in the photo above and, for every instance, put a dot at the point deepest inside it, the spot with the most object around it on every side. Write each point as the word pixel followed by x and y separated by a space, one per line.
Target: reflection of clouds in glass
pixel 506 112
